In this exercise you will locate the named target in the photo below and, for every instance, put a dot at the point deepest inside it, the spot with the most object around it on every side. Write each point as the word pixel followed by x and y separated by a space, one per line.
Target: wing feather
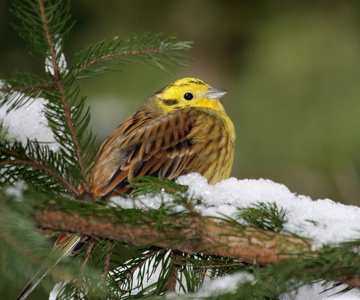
pixel 161 146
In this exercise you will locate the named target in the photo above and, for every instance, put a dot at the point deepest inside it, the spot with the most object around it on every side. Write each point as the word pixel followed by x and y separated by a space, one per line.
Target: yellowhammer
pixel 182 128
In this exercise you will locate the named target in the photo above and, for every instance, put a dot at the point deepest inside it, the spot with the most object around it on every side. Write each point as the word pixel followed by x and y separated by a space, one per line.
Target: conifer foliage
pixel 130 252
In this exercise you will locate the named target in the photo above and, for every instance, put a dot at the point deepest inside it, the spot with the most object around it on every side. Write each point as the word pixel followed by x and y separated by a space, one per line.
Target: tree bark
pixel 192 235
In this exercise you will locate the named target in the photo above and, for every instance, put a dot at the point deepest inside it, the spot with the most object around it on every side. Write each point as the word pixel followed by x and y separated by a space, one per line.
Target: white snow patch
pixel 61 61
pixel 226 284
pixel 28 122
pixel 17 189
pixel 316 292
pixel 229 284
pixel 55 291
pixel 323 220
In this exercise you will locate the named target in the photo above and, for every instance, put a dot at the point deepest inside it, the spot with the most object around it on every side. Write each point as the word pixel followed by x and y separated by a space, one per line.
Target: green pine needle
pixel 264 215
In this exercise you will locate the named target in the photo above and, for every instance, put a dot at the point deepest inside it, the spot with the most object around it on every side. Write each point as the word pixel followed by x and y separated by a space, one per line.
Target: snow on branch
pixel 209 223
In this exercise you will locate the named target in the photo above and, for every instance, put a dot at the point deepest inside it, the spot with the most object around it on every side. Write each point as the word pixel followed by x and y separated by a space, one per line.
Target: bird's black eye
pixel 188 96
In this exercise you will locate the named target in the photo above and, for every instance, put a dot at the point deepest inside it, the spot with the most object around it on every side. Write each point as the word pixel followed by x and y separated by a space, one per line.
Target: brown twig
pixel 221 265
pixel 204 273
pixel 170 283
pixel 29 87
pixel 169 189
pixel 189 208
pixel 352 280
pixel 60 87
pixel 108 259
pixel 88 252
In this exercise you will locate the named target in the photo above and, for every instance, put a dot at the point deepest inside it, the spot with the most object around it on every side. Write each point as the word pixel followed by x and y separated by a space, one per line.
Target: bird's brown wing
pixel 162 147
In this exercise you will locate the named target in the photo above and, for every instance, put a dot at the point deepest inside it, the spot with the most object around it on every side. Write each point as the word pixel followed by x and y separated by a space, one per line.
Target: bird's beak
pixel 215 93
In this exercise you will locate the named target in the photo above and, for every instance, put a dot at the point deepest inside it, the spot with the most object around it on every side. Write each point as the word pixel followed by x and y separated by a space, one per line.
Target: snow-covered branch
pixel 203 235
pixel 194 235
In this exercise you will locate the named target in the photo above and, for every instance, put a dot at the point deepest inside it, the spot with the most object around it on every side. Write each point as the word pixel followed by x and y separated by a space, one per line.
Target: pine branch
pixel 23 249
pixel 45 168
pixel 50 43
pixel 8 238
pixel 136 266
pixel 196 235
pixel 60 87
pixel 264 215
pixel 29 87
pixel 22 88
pixel 113 55
pixel 155 50
pixel 226 239
pixel 33 157
pixel 222 265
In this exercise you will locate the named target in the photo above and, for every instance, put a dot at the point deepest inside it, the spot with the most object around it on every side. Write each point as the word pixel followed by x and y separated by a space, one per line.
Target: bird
pixel 180 129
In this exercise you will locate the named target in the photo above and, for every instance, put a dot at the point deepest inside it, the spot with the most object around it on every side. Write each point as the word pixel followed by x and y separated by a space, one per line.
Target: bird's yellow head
pixel 188 92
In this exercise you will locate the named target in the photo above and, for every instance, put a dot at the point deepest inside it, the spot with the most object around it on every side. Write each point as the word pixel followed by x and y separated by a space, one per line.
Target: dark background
pixel 291 67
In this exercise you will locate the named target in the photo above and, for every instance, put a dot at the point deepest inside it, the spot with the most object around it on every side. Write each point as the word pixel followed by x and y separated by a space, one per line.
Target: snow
pixel 224 284
pixel 316 292
pixel 28 122
pixel 61 60
pixel 55 291
pixel 324 221
pixel 229 284
pixel 16 190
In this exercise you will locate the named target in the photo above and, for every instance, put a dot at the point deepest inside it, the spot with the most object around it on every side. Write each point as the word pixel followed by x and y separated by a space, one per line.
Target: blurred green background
pixel 292 69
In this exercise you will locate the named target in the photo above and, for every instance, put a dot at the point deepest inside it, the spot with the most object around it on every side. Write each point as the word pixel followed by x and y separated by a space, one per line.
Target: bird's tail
pixel 65 245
